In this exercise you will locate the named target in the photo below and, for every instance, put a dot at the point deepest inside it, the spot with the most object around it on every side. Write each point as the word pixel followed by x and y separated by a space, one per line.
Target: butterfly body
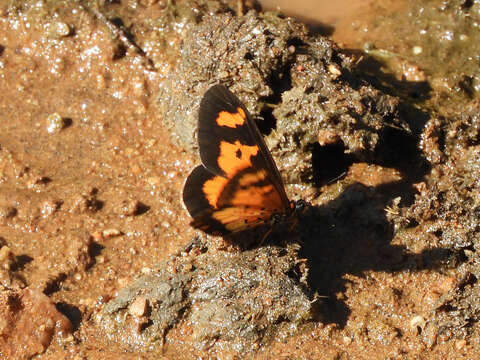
pixel 238 185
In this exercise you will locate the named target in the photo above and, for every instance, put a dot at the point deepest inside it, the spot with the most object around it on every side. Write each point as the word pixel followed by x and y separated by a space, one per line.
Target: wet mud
pixel 379 133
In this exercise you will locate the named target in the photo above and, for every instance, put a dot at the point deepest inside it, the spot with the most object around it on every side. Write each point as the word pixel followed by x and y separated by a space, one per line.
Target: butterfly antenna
pixel 337 178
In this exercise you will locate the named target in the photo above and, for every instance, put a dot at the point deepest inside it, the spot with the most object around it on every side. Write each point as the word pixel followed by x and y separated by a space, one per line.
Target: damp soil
pixel 376 125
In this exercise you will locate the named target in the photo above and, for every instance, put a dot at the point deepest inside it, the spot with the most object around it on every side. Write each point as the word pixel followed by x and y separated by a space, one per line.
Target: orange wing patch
pixel 253 191
pixel 231 120
pixel 258 196
pixel 235 157
pixel 213 188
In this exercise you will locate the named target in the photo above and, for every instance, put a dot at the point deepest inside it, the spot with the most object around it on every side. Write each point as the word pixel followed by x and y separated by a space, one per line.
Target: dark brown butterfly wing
pixel 238 185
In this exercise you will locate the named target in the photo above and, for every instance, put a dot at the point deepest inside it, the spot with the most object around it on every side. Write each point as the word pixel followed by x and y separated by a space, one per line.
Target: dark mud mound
pixel 233 300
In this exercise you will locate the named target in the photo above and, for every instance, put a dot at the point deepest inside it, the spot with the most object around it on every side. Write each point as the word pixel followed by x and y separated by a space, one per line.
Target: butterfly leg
pixel 294 223
pixel 267 234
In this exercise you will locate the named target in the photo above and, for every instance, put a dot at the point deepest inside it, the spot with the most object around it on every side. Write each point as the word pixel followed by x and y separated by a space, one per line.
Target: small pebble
pixel 417 50
pixel 60 29
pixel 55 123
pixel 109 233
pixel 49 207
pixel 334 70
pixel 417 323
pixel 138 308
pixel 6 257
pixel 460 344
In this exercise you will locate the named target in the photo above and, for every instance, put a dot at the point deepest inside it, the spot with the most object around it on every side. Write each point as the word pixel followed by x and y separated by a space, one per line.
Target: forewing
pixel 229 140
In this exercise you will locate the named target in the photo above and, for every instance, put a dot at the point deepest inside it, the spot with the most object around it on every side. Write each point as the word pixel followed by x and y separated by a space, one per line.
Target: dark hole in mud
pixel 94 249
pixel 318 28
pixel 438 233
pixel 72 312
pixel 119 52
pixel 54 285
pixel 141 209
pixel 280 81
pixel 412 223
pixel 44 180
pixel 67 122
pixel 468 280
pixel 93 204
pixel 329 163
pixel 248 56
pixel 370 70
pixel 467 4
pixel 118 22
pixel 298 43
pixel 268 34
pixel 446 308
pixel 20 262
pixel 15 303
pixel 398 149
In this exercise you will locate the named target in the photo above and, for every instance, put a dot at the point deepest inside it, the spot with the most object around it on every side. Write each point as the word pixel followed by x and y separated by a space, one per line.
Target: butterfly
pixel 238 186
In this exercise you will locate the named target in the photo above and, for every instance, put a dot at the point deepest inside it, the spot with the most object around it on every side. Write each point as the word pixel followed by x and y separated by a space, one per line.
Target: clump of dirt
pixel 298 85
pixel 447 210
pixel 30 323
pixel 233 300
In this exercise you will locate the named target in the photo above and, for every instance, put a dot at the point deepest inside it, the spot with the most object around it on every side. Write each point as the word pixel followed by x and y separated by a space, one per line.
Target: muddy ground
pixel 378 129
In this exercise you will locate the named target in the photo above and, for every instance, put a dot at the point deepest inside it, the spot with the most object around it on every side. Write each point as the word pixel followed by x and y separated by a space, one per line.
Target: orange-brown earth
pixel 90 189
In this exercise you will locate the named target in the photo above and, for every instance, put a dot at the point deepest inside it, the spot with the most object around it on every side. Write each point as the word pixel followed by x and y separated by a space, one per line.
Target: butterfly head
pixel 297 208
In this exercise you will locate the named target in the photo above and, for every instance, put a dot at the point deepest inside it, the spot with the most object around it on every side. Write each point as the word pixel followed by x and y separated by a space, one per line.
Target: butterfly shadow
pixel 351 235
